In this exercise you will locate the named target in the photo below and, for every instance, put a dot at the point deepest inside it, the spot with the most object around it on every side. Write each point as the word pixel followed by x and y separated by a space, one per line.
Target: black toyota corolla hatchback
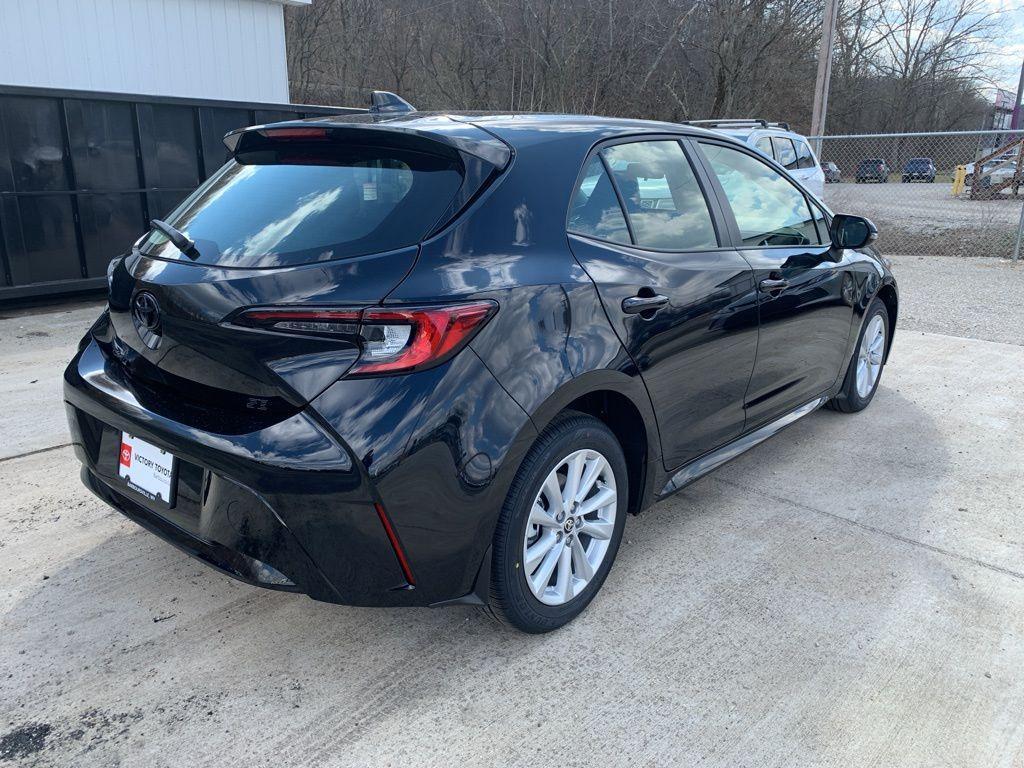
pixel 433 359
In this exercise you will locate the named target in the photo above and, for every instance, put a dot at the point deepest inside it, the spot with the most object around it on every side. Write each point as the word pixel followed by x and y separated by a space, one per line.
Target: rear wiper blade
pixel 181 241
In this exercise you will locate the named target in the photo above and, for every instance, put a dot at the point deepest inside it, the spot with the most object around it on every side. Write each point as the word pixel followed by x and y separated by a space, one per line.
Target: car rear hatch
pixel 323 214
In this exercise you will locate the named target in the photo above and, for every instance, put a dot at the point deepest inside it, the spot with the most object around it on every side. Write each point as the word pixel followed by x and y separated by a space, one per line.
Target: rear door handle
pixel 636 304
pixel 770 284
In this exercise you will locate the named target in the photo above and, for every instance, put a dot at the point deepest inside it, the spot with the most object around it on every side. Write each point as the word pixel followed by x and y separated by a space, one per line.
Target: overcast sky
pixel 1006 69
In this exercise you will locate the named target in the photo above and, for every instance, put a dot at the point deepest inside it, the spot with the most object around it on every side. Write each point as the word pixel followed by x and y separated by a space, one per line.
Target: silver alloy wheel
pixel 869 356
pixel 570 527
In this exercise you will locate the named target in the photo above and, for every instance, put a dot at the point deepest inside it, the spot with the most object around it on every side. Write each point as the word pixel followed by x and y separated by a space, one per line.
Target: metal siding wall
pixel 210 49
pixel 81 174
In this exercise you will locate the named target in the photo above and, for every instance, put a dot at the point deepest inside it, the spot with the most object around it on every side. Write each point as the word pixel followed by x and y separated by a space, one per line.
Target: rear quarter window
pixel 303 204
pixel 804 158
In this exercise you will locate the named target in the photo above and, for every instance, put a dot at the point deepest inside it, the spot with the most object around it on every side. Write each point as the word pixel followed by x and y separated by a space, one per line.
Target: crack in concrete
pixel 33 453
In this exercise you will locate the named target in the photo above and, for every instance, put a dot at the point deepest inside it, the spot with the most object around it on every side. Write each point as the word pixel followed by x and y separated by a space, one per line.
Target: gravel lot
pixel 926 219
pixel 850 593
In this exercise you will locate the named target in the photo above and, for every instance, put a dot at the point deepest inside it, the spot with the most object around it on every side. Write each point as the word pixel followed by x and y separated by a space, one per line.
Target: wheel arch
pixel 621 402
pixel 890 298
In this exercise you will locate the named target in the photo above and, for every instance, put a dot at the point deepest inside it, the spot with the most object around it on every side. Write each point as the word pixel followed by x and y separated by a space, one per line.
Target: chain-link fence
pixel 955 194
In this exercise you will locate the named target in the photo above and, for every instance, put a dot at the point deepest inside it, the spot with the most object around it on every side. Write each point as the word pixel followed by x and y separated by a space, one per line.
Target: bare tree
pixel 899 63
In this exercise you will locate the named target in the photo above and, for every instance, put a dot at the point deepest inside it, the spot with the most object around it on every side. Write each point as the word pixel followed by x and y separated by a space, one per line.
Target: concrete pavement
pixel 849 593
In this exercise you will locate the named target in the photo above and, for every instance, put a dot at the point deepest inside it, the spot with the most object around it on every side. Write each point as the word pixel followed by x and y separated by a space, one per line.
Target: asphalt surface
pixel 850 593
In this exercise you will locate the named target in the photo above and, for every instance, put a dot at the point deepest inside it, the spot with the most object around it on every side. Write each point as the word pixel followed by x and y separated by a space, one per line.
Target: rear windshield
pixel 298 205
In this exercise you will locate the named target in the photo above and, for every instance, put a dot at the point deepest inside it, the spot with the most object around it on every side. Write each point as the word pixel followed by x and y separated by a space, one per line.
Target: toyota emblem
pixel 146 314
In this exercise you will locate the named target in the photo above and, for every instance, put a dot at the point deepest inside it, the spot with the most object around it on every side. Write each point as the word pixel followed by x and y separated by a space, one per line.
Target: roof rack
pixel 736 123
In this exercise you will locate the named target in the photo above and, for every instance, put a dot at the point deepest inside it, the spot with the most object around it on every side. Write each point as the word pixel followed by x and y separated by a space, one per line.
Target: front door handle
pixel 769 285
pixel 636 304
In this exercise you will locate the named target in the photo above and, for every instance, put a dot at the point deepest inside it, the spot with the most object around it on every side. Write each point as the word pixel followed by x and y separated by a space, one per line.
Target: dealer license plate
pixel 146 469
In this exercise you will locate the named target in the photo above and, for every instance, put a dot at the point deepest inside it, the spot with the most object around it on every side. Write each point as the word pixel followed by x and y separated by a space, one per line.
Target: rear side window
pixel 769 210
pixel 595 209
pixel 804 158
pixel 663 200
pixel 303 204
pixel 784 152
pixel 764 146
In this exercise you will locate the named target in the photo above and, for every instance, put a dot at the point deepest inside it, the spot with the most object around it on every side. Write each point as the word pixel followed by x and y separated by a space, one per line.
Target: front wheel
pixel 865 368
pixel 560 527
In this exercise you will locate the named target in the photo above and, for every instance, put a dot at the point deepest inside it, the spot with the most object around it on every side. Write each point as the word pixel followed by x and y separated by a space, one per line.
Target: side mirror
pixel 852 231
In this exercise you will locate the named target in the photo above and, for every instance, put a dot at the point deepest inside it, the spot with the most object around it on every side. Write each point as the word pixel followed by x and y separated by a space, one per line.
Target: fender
pixel 872 279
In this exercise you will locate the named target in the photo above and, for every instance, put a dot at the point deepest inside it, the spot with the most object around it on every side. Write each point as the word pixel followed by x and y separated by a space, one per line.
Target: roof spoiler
pixel 387 103
pixel 437 130
pixel 737 123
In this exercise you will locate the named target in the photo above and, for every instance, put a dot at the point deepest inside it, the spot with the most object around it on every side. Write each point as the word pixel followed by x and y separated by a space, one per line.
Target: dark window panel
pixel 39 232
pixel 169 152
pixel 215 122
pixel 110 224
pixel 102 144
pixel 33 158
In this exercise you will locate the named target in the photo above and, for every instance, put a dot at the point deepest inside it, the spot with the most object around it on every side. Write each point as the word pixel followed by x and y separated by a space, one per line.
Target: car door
pixel 805 295
pixel 681 299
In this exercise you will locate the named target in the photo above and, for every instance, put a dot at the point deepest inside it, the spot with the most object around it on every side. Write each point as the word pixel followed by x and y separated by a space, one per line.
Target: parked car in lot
pixel 919 169
pixel 832 173
pixel 872 169
pixel 775 140
pixel 994 171
pixel 375 361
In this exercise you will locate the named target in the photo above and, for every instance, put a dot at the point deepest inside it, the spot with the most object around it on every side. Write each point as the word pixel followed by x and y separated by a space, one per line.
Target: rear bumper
pixel 288 496
pixel 226 559
pixel 433 452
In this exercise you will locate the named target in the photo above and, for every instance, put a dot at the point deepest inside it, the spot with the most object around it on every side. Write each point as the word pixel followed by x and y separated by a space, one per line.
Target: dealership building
pixel 112 111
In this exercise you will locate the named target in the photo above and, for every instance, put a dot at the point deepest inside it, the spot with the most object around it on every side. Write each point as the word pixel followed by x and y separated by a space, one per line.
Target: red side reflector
pixel 395 544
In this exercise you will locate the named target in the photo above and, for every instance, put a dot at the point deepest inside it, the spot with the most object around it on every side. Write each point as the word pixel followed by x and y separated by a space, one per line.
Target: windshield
pixel 298 205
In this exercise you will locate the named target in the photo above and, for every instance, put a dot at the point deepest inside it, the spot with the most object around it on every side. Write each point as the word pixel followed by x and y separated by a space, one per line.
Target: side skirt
pixel 711 461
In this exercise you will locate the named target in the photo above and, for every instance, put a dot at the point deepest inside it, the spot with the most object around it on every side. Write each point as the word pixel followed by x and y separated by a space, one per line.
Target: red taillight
pixel 435 334
pixel 393 339
pixel 301 133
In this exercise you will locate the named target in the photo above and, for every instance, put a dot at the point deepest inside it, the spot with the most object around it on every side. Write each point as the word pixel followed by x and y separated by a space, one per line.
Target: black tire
pixel 511 600
pixel 848 399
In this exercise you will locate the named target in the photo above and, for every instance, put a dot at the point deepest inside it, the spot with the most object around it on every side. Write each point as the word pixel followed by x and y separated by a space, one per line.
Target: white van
pixel 790 150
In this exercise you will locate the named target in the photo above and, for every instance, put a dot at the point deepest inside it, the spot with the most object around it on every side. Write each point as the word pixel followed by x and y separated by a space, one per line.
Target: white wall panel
pixel 215 49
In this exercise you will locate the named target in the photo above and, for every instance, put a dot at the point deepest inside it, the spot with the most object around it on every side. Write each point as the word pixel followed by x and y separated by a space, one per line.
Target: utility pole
pixel 821 84
pixel 1015 120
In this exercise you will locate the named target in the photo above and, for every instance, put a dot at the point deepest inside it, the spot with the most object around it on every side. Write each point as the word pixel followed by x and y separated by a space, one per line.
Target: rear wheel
pixel 560 527
pixel 865 368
